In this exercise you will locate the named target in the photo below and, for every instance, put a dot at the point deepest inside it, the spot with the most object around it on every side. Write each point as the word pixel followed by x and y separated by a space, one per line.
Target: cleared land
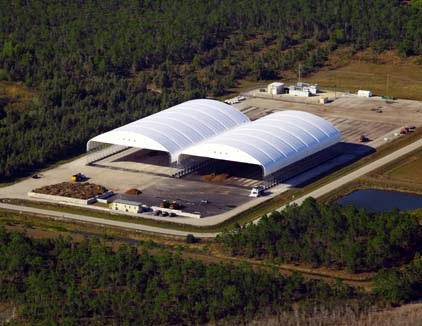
pixel 346 71
pixel 384 74
pixel 145 170
pixel 409 171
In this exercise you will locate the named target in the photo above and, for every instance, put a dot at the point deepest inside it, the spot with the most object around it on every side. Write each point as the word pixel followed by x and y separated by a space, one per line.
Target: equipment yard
pixel 365 124
pixel 353 116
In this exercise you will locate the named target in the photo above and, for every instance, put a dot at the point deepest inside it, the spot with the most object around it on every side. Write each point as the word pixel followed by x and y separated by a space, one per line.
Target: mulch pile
pixel 73 190
pixel 213 177
pixel 133 192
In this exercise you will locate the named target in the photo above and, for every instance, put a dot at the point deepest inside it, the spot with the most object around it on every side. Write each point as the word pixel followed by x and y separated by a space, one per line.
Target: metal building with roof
pixel 272 142
pixel 176 128
pixel 208 129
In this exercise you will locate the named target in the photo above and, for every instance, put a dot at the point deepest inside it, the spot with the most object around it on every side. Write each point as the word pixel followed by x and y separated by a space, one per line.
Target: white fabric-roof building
pixel 273 142
pixel 176 128
pixel 212 129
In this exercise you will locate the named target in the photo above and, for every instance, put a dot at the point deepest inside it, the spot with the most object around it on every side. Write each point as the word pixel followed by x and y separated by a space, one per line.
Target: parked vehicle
pixel 257 191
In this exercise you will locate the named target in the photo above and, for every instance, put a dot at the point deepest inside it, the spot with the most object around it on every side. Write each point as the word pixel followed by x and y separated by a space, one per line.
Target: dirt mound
pixel 133 192
pixel 73 190
pixel 218 178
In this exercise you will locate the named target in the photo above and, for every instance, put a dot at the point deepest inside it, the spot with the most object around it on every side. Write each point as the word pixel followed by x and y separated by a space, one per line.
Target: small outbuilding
pixel 276 88
pixel 364 93
pixel 127 206
pixel 312 88
pixel 299 91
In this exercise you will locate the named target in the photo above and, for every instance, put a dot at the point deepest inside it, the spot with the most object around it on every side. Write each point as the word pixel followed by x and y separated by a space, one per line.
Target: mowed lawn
pixel 409 171
pixel 404 81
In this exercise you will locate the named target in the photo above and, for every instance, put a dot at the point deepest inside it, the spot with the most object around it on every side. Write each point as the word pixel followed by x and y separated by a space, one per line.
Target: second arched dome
pixel 274 141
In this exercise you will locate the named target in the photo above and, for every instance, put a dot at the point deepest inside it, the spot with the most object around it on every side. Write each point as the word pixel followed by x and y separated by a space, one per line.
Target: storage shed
pixel 275 88
pixel 126 206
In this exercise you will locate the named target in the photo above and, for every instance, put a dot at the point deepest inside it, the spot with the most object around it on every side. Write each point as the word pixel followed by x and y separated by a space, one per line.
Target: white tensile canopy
pixel 176 128
pixel 215 130
pixel 273 142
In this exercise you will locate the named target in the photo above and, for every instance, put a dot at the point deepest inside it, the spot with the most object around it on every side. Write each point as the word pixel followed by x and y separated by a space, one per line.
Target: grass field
pixel 345 71
pixel 366 70
pixel 409 170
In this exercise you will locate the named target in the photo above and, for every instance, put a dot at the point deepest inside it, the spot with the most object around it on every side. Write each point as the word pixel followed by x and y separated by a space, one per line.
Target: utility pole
pixel 388 82
pixel 299 72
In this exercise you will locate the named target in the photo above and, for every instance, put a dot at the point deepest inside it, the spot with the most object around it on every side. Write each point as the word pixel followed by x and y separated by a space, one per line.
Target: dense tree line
pixel 331 235
pixel 399 285
pixel 93 63
pixel 60 282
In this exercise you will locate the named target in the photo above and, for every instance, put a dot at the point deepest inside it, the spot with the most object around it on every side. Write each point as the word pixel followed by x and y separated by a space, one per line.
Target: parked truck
pixel 256 191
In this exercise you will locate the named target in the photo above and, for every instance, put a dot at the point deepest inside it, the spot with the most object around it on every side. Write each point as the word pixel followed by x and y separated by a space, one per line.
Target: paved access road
pixel 140 227
pixel 357 173
pixel 101 221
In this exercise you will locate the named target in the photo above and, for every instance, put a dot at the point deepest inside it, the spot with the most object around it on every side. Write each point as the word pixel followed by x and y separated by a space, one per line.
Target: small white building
pixel 312 88
pixel 276 88
pixel 299 91
pixel 126 206
pixel 364 93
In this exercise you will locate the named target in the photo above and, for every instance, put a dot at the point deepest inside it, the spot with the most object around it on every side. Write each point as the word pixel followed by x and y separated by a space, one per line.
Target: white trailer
pixel 363 93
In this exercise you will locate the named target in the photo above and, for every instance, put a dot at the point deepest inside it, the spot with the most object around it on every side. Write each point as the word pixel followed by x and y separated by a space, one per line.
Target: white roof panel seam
pixel 317 120
pixel 231 140
pixel 170 127
pixel 311 123
pixel 260 139
pixel 214 131
pixel 299 127
pixel 287 132
pixel 198 135
pixel 242 140
pixel 295 148
pixel 269 134
pixel 212 118
pixel 308 129
pixel 228 116
pixel 160 133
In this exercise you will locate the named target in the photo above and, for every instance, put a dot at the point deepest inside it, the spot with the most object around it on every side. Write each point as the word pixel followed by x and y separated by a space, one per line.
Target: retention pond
pixel 382 200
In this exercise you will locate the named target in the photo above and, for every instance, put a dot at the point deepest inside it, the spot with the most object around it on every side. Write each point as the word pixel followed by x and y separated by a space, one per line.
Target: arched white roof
pixel 176 128
pixel 274 141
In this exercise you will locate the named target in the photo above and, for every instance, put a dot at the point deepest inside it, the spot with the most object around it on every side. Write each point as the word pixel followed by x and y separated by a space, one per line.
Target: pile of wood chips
pixel 218 178
pixel 133 192
pixel 73 190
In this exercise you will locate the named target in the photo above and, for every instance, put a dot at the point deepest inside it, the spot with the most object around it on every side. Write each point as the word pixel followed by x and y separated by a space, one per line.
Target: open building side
pixel 272 142
pixel 174 129
pixel 198 131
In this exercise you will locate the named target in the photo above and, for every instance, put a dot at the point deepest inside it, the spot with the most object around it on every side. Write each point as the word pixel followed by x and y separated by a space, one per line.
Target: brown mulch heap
pixel 72 189
pixel 133 192
pixel 216 177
